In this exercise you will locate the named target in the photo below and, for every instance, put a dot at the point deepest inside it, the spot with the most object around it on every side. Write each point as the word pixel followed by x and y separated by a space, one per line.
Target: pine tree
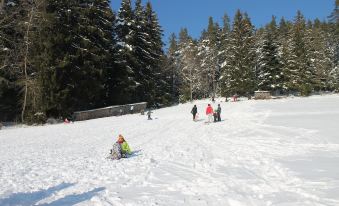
pixel 157 53
pixel 209 47
pixel 76 57
pixel 125 29
pixel 269 67
pixel 284 53
pixel 95 33
pixel 334 17
pixel 334 42
pixel 249 60
pixel 190 82
pixel 238 73
pixel 140 42
pixel 115 77
pixel 320 56
pixel 150 55
pixel 172 65
pixel 224 77
pixel 224 39
pixel 11 39
pixel 301 73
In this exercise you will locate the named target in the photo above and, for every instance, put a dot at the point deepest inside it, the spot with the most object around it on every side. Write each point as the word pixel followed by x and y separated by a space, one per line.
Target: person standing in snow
pixel 218 113
pixel 209 113
pixel 215 116
pixel 235 97
pixel 149 115
pixel 194 111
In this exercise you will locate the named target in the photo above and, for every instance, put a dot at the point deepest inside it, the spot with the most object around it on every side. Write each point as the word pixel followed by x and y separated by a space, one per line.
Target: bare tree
pixel 27 43
pixel 31 26
pixel 18 25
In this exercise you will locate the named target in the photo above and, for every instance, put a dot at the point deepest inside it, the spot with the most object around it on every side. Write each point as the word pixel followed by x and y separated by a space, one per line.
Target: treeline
pixel 61 56
pixel 285 57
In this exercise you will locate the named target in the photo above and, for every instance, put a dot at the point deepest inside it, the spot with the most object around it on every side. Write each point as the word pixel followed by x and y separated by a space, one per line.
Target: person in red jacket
pixel 209 113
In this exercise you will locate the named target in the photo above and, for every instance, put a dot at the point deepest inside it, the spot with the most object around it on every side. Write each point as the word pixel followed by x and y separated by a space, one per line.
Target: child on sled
pixel 120 149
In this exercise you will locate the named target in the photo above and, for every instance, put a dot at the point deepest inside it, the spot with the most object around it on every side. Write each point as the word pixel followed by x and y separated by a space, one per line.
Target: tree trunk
pixel 2 5
pixel 29 24
pixel 191 85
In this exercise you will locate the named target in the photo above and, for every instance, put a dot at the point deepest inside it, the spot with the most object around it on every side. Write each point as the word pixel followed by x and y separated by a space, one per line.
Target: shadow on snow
pixel 32 198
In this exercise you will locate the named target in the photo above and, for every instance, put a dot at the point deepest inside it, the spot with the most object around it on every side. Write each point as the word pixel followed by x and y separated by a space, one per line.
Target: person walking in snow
pixel 209 113
pixel 194 111
pixel 218 113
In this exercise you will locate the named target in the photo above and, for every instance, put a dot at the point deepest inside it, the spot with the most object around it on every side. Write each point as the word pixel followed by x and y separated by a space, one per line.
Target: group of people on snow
pixel 213 115
pixel 121 148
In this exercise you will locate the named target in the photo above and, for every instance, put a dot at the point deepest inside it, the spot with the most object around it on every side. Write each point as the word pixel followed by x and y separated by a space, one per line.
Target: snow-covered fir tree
pixel 140 51
pixel 156 56
pixel 190 73
pixel 224 77
pixel 117 79
pixel 301 74
pixel 320 55
pixel 125 29
pixel 285 52
pixel 334 44
pixel 334 30
pixel 168 78
pixel 76 55
pixel 237 74
pixel 142 47
pixel 172 67
pixel 208 47
pixel 269 73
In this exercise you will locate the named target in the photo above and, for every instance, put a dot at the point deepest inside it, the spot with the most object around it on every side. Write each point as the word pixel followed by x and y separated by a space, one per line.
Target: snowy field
pixel 279 152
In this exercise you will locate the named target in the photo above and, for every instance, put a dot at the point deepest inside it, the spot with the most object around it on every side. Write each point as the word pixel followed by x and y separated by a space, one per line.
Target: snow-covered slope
pixel 278 152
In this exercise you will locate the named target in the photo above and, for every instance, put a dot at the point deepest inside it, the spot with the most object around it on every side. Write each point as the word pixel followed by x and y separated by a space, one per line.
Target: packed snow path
pixel 279 152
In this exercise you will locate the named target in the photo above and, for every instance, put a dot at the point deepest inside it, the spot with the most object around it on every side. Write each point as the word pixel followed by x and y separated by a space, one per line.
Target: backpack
pixel 116 151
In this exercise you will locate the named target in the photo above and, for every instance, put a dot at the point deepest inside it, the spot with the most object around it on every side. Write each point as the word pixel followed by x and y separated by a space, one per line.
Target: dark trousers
pixel 218 117
pixel 194 114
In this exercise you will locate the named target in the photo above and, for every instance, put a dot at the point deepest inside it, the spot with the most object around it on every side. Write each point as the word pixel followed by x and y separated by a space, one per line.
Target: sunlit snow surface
pixel 279 152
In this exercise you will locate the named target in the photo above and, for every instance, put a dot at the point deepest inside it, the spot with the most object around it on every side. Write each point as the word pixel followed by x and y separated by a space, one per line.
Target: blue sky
pixel 193 14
